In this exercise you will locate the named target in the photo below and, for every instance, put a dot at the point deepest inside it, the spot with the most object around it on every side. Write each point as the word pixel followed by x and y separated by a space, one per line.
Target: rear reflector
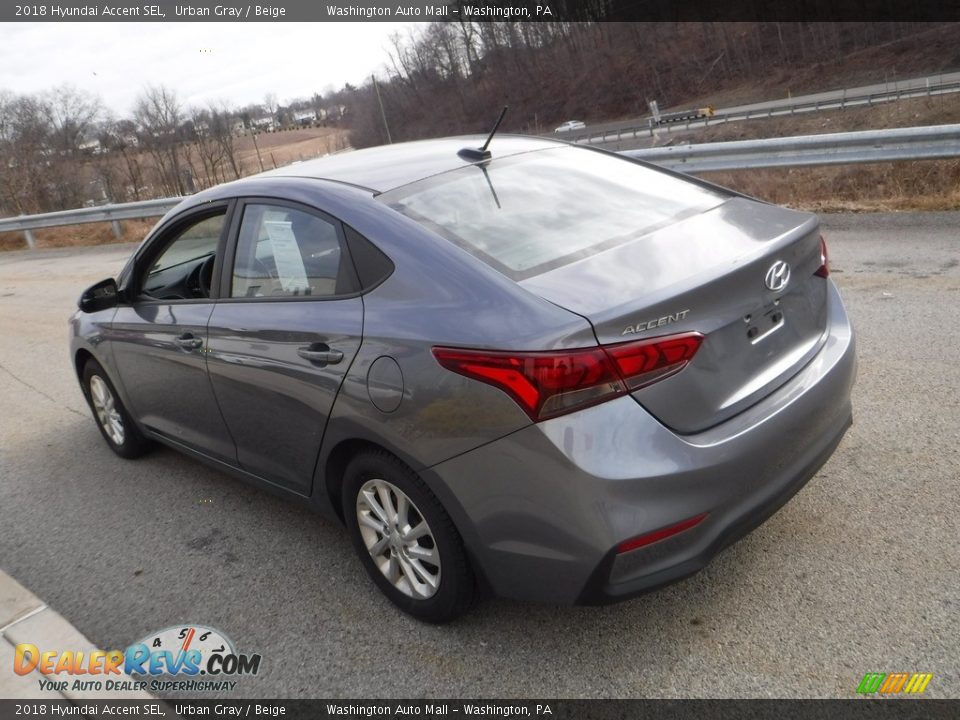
pixel 661 534
pixel 824 269
pixel 547 384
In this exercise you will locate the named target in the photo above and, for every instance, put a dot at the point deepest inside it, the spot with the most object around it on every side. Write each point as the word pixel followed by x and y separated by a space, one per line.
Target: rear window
pixel 530 213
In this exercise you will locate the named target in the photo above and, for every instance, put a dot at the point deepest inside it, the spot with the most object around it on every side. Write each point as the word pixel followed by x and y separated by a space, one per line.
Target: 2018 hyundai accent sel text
pixel 552 374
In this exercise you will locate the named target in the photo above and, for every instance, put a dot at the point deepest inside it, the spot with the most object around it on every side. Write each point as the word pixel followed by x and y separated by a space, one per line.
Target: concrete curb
pixel 25 618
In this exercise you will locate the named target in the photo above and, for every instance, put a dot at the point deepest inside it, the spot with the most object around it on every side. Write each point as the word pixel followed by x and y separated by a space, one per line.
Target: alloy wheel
pixel 105 405
pixel 398 539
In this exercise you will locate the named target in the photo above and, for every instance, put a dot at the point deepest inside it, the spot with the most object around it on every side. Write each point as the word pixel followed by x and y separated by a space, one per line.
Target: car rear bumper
pixel 543 510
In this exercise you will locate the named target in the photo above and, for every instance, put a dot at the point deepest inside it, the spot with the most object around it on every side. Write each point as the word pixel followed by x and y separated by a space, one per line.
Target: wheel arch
pixel 335 465
pixel 80 359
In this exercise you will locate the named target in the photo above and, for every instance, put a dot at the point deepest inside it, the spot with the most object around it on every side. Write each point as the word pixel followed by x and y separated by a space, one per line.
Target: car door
pixel 282 337
pixel 158 337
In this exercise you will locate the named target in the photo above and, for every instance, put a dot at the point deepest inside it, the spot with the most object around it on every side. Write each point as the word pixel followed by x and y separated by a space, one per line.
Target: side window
pixel 283 252
pixel 373 267
pixel 184 268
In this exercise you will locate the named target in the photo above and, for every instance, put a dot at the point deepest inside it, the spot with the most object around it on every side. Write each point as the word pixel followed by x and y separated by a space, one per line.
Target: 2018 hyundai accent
pixel 541 371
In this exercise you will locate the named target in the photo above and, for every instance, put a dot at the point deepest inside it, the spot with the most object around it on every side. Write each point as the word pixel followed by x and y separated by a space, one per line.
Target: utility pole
pixel 386 127
pixel 253 134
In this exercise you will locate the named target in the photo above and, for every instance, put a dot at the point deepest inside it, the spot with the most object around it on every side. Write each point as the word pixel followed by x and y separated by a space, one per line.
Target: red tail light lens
pixel 824 269
pixel 543 384
pixel 547 384
pixel 647 361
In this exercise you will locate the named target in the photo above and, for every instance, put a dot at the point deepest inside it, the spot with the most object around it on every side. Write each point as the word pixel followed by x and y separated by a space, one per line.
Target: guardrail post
pixel 117 229
pixel 31 240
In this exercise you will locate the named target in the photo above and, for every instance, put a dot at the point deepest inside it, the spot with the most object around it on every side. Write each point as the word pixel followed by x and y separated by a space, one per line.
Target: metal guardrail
pixel 776 109
pixel 102 213
pixel 867 146
pixel 915 143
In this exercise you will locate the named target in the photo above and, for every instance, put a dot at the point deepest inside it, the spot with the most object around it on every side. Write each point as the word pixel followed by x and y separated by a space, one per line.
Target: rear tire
pixel 115 423
pixel 405 539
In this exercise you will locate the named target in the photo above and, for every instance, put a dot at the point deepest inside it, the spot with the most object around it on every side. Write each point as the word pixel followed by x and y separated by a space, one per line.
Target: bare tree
pixel 9 200
pixel 159 116
pixel 206 148
pixel 271 105
pixel 31 164
pixel 71 115
pixel 221 128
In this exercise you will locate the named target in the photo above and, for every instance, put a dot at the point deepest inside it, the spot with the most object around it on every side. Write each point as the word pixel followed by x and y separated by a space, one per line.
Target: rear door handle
pixel 188 342
pixel 320 353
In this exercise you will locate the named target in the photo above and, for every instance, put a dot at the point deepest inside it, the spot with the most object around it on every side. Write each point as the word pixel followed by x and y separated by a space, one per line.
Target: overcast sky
pixel 203 62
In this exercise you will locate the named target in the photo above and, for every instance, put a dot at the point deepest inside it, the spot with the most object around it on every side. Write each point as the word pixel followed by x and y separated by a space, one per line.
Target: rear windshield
pixel 530 213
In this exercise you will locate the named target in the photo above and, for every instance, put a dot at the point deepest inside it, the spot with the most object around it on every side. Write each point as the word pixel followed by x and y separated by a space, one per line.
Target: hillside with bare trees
pixel 446 78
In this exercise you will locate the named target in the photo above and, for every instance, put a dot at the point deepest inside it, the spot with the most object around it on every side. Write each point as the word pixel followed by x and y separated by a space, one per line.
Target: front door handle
pixel 189 342
pixel 320 353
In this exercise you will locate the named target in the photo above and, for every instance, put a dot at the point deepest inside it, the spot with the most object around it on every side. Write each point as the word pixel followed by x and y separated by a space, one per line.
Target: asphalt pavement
pixel 856 574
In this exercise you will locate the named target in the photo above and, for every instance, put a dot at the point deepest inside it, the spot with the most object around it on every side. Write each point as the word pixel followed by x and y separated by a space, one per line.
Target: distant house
pixel 264 122
pixel 304 118
pixel 90 145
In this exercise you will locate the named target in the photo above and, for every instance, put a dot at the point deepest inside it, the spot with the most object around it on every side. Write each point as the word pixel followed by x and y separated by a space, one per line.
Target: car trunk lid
pixel 707 274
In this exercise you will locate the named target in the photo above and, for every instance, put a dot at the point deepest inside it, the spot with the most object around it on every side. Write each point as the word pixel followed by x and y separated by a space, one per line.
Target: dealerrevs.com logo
pixel 184 658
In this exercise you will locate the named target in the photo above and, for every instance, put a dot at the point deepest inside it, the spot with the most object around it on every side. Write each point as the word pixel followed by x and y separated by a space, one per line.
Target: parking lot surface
pixel 856 574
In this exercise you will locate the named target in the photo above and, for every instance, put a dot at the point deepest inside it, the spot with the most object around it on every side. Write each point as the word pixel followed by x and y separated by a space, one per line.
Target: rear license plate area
pixel 764 322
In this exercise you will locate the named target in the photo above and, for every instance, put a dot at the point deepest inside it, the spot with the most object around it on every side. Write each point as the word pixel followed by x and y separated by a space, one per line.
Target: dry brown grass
pixel 915 185
pixel 920 185
pixel 86 234
pixel 288 146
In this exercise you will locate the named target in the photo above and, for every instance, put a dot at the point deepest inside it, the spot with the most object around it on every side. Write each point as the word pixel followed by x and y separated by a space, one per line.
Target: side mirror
pixel 101 296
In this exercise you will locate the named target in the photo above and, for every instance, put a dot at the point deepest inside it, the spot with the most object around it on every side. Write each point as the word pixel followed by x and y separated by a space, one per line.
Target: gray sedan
pixel 545 372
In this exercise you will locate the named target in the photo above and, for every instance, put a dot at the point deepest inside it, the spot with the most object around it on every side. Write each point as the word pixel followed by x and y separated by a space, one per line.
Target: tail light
pixel 547 384
pixel 824 269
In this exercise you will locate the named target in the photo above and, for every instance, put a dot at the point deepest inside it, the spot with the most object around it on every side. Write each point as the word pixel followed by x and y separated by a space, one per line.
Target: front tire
pixel 405 539
pixel 115 423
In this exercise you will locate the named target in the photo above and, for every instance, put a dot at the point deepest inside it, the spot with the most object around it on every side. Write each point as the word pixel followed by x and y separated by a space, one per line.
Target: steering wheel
pixel 201 278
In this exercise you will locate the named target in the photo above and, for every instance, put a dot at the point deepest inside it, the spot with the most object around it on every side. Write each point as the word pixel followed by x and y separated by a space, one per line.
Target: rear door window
pixel 286 252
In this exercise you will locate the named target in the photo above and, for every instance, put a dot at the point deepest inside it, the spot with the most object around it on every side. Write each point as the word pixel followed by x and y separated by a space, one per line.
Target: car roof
pixel 387 167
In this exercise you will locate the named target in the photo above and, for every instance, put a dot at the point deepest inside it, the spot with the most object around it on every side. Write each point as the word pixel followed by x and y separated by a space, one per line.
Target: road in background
pixel 606 133
pixel 830 96
pixel 856 573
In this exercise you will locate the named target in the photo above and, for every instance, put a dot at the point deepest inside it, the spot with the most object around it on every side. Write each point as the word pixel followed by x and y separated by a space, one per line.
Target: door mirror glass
pixel 101 296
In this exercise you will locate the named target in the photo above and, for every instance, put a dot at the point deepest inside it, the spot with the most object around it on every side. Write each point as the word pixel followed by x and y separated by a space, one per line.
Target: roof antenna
pixel 482 153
